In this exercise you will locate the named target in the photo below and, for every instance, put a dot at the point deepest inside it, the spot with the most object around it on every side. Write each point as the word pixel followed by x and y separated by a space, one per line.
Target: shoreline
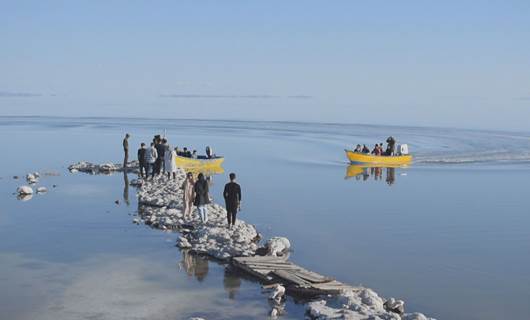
pixel 160 202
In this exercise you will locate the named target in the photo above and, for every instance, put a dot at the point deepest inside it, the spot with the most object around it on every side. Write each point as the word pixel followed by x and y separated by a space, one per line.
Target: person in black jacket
pixel 202 198
pixel 160 149
pixel 142 160
pixel 126 151
pixel 232 195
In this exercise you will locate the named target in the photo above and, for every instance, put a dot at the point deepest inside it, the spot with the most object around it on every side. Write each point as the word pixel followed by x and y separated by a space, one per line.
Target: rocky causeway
pixel 160 206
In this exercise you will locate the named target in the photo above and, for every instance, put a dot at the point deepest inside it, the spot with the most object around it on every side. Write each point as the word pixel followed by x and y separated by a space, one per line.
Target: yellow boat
pixel 202 163
pixel 357 157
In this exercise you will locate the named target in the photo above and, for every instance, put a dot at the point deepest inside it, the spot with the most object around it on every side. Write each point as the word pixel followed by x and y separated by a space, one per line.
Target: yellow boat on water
pixel 357 157
pixel 201 163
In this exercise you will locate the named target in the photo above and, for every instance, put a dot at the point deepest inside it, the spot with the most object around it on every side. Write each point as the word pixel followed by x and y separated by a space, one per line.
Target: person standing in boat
pixel 169 162
pixel 391 142
pixel 232 195
pixel 202 198
pixel 151 156
pixel 209 152
pixel 358 148
pixel 126 151
pixel 189 195
pixel 142 160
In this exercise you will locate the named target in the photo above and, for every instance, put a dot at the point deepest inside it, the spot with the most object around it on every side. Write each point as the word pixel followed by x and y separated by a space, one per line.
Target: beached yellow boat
pixel 200 163
pixel 357 157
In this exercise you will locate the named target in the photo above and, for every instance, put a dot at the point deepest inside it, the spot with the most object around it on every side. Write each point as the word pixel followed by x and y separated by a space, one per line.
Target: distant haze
pixel 446 63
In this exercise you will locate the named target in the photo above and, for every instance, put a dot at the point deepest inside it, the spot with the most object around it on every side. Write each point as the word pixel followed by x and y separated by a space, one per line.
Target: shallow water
pixel 449 235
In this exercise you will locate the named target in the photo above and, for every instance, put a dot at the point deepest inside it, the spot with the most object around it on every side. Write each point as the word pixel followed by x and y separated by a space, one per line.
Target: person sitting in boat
pixel 365 149
pixel 376 151
pixel 209 152
pixel 391 142
pixel 358 148
pixel 194 154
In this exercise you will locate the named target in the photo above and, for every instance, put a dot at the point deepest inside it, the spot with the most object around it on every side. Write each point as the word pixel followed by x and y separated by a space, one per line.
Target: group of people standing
pixel 159 156
pixel 378 148
pixel 196 193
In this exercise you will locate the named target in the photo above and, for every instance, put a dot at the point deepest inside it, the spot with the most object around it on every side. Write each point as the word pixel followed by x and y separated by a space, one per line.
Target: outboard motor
pixel 403 149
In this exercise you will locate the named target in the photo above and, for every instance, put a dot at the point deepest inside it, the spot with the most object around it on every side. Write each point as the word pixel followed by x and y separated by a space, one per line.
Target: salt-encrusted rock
pixel 30 178
pixel 183 243
pixel 105 168
pixel 277 293
pixel 36 174
pixel 22 190
pixel 136 220
pixel 393 305
pixel 15 177
pixel 360 303
pixel 278 246
pixel 42 190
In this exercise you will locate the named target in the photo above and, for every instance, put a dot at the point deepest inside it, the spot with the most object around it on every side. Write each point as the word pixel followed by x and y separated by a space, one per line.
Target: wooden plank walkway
pixel 295 278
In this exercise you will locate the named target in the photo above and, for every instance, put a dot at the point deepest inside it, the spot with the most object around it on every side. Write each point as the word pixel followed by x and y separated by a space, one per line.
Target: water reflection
pixel 361 172
pixel 194 265
pixel 126 188
pixel 231 282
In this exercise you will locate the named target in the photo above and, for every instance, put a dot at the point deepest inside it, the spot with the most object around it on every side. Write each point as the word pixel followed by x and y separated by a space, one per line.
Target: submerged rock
pixel 42 190
pixel 24 197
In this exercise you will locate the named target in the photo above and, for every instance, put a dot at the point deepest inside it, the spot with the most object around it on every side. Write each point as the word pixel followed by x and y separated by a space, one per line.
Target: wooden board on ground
pixel 294 277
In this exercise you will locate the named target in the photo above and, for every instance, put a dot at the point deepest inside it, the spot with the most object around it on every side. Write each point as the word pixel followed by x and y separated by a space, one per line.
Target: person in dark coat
pixel 391 142
pixel 160 150
pixel 202 198
pixel 126 150
pixel 232 195
pixel 142 160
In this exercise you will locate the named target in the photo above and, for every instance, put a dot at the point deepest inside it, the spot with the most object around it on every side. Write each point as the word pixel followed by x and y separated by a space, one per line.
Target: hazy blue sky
pixel 448 63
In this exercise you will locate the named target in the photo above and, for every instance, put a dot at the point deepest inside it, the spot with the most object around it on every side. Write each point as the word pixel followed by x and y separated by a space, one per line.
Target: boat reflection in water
pixel 364 172
pixel 208 171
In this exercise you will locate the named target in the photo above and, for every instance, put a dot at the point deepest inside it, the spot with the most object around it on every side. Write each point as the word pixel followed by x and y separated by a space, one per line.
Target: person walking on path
pixel 126 151
pixel 169 162
pixel 152 155
pixel 142 160
pixel 202 197
pixel 160 149
pixel 189 195
pixel 232 195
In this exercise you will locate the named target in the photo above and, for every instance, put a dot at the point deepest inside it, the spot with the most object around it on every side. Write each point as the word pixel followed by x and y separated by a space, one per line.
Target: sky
pixel 421 63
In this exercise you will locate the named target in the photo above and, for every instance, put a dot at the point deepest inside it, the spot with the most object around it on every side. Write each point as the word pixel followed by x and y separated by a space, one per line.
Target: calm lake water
pixel 449 235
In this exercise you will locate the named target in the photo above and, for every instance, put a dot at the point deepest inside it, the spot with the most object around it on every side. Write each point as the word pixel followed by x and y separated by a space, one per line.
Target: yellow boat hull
pixel 188 163
pixel 363 158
